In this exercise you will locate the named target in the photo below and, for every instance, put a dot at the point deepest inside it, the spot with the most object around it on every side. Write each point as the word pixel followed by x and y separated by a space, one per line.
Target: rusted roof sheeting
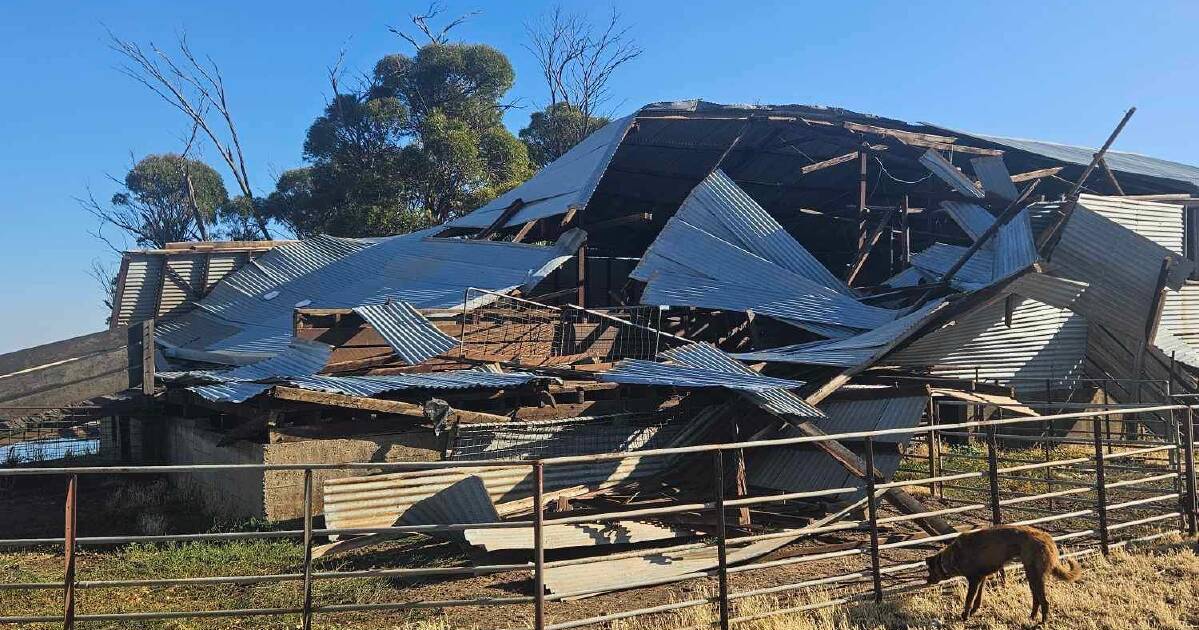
pixel 413 337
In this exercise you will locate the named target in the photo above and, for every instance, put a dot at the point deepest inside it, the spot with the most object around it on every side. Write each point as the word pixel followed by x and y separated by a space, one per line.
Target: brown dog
pixel 978 554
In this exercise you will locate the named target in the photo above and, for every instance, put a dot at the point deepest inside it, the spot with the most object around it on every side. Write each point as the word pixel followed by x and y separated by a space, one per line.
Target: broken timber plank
pixel 377 405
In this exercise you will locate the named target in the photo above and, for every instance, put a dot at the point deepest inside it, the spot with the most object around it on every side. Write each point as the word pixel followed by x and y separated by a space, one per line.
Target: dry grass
pixel 1154 587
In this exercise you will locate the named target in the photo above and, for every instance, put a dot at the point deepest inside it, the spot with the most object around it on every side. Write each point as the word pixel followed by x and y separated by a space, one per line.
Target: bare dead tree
pixel 197 89
pixel 423 23
pixel 106 278
pixel 577 61
pixel 185 172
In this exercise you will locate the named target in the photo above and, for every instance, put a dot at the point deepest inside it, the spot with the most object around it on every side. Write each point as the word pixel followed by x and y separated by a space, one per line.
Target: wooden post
pixel 538 545
pixel 582 280
pixel 69 535
pixel 872 516
pixel 721 538
pixel 862 210
pixel 741 478
pixel 934 449
pixel 306 618
pixel 906 243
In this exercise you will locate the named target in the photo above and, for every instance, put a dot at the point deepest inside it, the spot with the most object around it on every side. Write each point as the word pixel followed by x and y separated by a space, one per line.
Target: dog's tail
pixel 1068 570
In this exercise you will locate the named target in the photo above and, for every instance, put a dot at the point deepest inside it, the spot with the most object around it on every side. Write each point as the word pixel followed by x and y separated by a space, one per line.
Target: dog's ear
pixel 933 569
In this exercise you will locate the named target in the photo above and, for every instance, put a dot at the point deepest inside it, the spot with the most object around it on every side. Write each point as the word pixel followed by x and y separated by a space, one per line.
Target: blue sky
pixel 1060 71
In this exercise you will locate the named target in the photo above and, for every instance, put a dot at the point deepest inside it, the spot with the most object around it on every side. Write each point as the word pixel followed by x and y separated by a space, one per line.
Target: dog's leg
pixel 969 597
pixel 1036 584
pixel 978 594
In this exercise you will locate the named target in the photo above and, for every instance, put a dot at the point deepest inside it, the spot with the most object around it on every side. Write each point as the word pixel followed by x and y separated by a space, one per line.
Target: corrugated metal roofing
pixel 777 400
pixel 574 535
pixel 810 470
pixel 873 414
pixel 1043 342
pixel 1051 290
pixel 848 352
pixel 567 182
pixel 1120 266
pixel 251 310
pixel 642 372
pixel 1010 250
pixel 379 500
pixel 690 264
pixel 995 178
pixel 1119 161
pixel 941 167
pixel 413 337
pixel 369 386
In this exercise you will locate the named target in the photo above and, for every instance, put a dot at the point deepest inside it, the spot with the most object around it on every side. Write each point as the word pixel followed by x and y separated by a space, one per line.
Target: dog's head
pixel 935 572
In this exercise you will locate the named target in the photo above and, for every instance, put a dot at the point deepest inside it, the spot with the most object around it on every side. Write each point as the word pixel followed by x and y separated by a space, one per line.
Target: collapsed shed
pixel 690 273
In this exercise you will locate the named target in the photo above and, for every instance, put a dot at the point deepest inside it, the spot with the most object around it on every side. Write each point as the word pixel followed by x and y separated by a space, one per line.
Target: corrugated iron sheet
pixel 1011 249
pixel 251 310
pixel 1051 290
pixel 1162 223
pixel 850 351
pixel 413 337
pixel 642 372
pixel 995 178
pixel 775 399
pixel 1120 266
pixel 689 264
pixel 567 182
pixel 1042 343
pixel 369 386
pixel 948 173
pixel 379 500
pixel 877 414
pixel 552 438
pixel 809 470
pixel 580 535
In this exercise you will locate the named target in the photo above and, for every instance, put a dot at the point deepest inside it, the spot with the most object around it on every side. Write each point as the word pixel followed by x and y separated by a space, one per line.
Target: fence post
pixel 1100 487
pixel 307 614
pixel 721 537
pixel 538 545
pixel 1188 432
pixel 69 534
pixel 993 475
pixel 934 449
pixel 872 515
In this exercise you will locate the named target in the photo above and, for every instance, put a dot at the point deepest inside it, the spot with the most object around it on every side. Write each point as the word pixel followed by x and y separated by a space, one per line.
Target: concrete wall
pixel 277 495
pixel 230 494
pixel 284 489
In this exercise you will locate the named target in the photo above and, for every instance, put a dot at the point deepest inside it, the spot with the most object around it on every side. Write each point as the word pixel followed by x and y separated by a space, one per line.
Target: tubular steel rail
pixel 1090 504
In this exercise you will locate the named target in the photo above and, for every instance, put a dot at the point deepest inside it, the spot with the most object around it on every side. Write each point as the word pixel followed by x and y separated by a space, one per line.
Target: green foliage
pixel 555 130
pixel 421 143
pixel 155 205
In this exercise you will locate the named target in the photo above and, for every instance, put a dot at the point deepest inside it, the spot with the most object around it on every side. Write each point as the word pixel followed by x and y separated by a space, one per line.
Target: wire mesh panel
pixel 509 329
pixel 54 436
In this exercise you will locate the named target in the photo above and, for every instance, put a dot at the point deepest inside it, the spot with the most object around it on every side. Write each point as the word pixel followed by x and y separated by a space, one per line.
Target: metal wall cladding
pixel 257 301
pixel 849 416
pixel 139 299
pixel 567 182
pixel 572 436
pixel 1121 267
pixel 227 390
pixel 811 470
pixel 380 500
pixel 1051 290
pixel 948 173
pixel 413 337
pixel 1042 343
pixel 1162 223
